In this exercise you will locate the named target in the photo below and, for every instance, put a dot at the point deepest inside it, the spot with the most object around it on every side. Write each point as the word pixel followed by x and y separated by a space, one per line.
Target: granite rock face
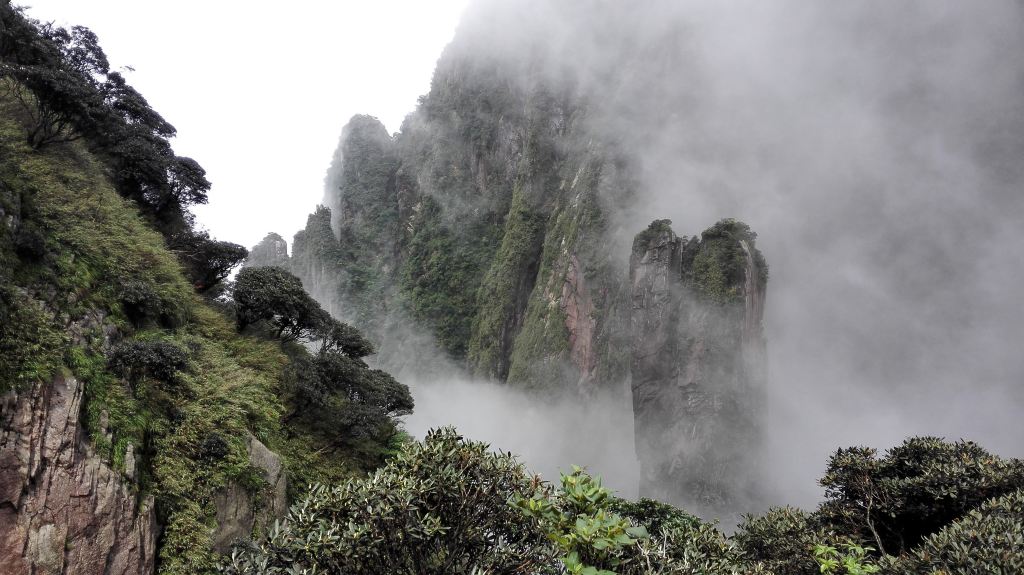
pixel 239 512
pixel 62 509
pixel 698 364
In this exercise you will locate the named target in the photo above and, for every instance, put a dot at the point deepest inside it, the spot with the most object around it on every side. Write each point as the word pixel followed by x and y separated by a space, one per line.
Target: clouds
pixel 878 150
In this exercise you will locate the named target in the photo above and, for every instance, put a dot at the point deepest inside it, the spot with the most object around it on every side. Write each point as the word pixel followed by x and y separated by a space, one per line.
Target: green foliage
pixel 159 360
pixel 656 517
pixel 505 290
pixel 440 507
pixel 913 491
pixel 337 336
pixel 206 260
pixel 591 539
pixel 719 266
pixel 784 539
pixel 852 559
pixel 339 398
pixel 989 539
pixel 654 230
pixel 31 344
pixel 442 273
pixel 274 295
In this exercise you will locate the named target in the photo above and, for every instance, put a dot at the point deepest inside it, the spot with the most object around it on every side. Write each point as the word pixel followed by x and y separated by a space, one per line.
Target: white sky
pixel 259 90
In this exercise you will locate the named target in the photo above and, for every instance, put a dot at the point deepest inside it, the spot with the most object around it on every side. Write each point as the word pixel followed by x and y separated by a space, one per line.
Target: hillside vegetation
pixel 103 277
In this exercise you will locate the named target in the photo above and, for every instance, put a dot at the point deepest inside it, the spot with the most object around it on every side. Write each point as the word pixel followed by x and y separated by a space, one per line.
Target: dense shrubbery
pixel 893 502
pixel 207 261
pixel 440 507
pixel 346 402
pixel 333 393
pixel 449 505
pixel 30 343
pixel 159 360
pixel 989 539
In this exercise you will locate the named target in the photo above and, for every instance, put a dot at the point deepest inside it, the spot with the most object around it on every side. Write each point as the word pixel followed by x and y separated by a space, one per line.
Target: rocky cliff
pixel 105 467
pixel 698 363
pixel 483 222
pixel 492 233
pixel 63 509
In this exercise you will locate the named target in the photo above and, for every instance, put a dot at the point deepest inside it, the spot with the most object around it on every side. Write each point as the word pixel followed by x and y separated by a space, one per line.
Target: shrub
pixel 159 360
pixel 590 537
pixel 989 539
pixel 338 336
pixel 783 539
pixel 440 507
pixel 206 260
pixel 214 447
pixel 341 398
pixel 31 345
pixel 893 502
pixel 29 242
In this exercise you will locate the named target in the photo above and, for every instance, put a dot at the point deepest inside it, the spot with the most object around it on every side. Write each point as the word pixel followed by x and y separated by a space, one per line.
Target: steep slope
pixel 137 429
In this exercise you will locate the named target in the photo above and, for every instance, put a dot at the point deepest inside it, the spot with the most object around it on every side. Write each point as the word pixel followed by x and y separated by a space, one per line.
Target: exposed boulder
pixel 239 511
pixel 63 510
pixel 698 363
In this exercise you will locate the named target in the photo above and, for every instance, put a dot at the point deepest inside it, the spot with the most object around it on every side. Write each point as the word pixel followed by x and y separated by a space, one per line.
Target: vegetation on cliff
pixel 101 276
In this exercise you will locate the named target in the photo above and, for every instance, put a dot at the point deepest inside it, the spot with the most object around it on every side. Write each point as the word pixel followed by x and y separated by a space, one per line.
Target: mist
pixel 549 435
pixel 877 149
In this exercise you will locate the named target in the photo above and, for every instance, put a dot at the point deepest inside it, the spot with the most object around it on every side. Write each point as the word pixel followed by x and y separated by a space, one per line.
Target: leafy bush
pixel 29 242
pixel 207 261
pixel 31 345
pixel 893 502
pixel 159 360
pixel 783 539
pixel 343 400
pixel 215 447
pixel 338 336
pixel 850 559
pixel 590 537
pixel 440 507
pixel 989 539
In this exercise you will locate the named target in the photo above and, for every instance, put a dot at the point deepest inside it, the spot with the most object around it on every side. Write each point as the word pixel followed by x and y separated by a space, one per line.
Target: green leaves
pixel 852 560
pixel 578 520
pixel 440 507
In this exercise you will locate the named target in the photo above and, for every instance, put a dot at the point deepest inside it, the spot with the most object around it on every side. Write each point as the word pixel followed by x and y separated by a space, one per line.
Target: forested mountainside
pixel 157 417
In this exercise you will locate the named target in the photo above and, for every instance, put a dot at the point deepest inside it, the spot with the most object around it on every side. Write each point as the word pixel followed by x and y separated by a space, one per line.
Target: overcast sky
pixel 259 91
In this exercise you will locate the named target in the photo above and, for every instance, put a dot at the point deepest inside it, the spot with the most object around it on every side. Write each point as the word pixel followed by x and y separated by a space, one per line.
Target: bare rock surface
pixel 239 511
pixel 62 509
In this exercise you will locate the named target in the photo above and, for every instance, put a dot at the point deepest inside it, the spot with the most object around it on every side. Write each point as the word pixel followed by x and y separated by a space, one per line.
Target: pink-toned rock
pixel 578 307
pixel 62 509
